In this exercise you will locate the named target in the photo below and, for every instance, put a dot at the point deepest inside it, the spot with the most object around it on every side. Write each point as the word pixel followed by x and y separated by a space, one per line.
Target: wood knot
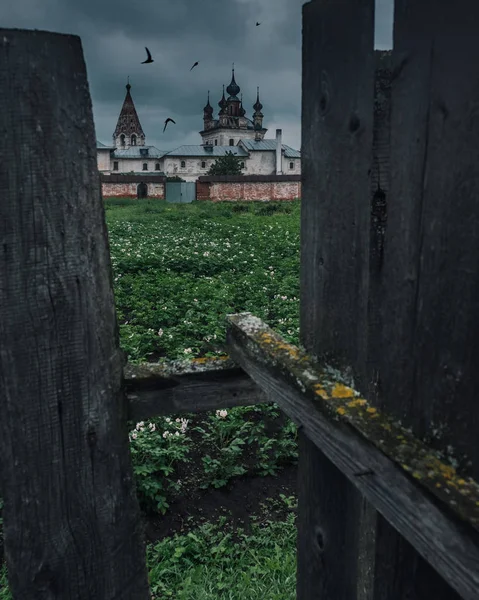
pixel 354 123
pixel 319 535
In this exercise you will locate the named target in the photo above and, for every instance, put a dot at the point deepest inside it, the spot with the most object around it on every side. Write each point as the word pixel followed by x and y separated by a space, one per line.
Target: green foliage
pixel 179 271
pixel 157 447
pixel 175 178
pixel 4 589
pixel 173 288
pixel 216 562
pixel 229 164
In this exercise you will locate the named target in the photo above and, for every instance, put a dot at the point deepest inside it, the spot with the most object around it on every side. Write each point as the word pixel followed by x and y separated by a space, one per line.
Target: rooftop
pixel 202 151
pixel 134 152
pixel 253 145
pixel 101 146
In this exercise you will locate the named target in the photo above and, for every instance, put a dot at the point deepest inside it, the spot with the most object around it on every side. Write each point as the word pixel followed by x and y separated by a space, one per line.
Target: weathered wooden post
pixel 72 528
pixel 428 280
pixel 337 127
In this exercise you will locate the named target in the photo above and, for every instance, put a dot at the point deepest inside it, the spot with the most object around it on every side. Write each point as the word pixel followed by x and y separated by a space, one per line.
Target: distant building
pixel 232 131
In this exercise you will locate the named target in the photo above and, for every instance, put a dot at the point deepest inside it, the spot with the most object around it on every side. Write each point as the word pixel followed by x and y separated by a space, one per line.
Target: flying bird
pixel 168 120
pixel 196 63
pixel 257 23
pixel 149 59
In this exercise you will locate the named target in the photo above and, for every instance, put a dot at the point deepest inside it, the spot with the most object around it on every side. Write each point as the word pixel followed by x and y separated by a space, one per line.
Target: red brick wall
pixel 259 191
pixel 129 190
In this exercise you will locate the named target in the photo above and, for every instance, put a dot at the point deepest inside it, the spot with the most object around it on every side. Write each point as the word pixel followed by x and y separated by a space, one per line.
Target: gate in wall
pixel 180 191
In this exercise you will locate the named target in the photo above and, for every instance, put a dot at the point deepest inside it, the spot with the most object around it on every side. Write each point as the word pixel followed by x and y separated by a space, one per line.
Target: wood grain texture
pixel 429 280
pixel 71 517
pixel 337 127
pixel 357 439
pixel 154 390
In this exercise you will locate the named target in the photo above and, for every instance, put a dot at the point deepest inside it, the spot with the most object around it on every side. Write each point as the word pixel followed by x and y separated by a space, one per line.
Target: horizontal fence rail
pixel 411 485
pixel 188 386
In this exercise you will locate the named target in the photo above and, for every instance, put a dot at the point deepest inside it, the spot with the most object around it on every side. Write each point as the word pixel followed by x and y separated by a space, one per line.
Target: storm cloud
pixel 178 33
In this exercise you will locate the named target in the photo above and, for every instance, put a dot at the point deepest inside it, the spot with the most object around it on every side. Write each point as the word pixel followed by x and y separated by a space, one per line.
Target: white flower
pixel 222 414
pixel 168 420
pixel 134 435
pixel 160 332
pixel 177 433
pixel 140 425
pixel 178 420
pixel 184 425
pixel 187 350
pixel 152 426
pixel 165 434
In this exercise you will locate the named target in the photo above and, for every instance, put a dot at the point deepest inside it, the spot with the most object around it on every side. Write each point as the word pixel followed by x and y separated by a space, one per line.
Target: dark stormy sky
pixel 179 32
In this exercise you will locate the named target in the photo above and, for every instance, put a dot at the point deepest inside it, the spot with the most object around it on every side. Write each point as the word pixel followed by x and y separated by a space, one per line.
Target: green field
pixel 178 270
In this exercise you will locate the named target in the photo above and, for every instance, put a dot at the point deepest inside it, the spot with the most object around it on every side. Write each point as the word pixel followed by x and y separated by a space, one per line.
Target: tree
pixel 175 178
pixel 229 164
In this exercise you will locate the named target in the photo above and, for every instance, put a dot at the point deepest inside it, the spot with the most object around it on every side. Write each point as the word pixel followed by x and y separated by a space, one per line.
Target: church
pixel 231 131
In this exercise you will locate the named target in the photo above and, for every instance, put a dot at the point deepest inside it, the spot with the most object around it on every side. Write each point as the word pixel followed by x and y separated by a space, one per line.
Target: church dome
pixel 222 102
pixel 233 89
pixel 257 105
pixel 208 109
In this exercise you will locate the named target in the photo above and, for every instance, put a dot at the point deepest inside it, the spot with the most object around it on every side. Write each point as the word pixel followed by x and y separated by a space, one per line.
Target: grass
pixel 178 270
pixel 217 562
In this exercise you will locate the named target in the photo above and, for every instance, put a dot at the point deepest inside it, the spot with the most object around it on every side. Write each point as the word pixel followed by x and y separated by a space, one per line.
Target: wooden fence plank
pixel 423 497
pixel 337 120
pixel 195 386
pixel 71 517
pixel 429 278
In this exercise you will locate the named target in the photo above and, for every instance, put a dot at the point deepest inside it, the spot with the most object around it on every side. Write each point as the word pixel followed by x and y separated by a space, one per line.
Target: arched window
pixel 232 142
pixel 291 165
pixel 183 164
pixel 145 166
pixel 203 164
pixel 133 140
pixel 157 167
pixel 122 139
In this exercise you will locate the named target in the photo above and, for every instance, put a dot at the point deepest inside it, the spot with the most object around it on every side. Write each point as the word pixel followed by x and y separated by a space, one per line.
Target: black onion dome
pixel 257 105
pixel 233 89
pixel 208 108
pixel 222 102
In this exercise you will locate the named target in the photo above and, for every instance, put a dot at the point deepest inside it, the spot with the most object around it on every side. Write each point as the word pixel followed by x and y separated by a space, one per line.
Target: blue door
pixel 180 191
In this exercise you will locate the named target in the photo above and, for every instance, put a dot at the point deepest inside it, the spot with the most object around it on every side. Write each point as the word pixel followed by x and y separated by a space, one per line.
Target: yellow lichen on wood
pixel 341 410
pixel 371 410
pixel 357 402
pixel 320 391
pixel 341 391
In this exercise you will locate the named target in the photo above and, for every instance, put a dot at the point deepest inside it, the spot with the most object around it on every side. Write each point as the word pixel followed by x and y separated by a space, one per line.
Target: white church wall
pixel 126 165
pixel 191 171
pixel 287 170
pixel 260 163
pixel 224 137
pixel 103 160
